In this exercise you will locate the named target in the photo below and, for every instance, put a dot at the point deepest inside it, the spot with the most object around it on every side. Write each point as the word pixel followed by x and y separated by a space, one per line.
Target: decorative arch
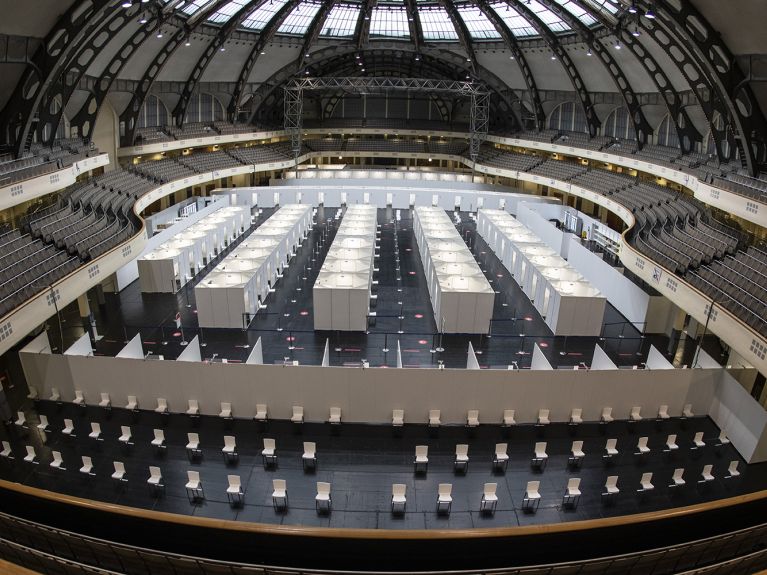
pixel 618 124
pixel 204 107
pixel 568 117
pixel 153 113
pixel 666 134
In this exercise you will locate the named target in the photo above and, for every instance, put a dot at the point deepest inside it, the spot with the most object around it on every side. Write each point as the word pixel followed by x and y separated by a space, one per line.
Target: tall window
pixel 667 134
pixel 618 124
pixel 204 108
pixel 154 113
pixel 568 117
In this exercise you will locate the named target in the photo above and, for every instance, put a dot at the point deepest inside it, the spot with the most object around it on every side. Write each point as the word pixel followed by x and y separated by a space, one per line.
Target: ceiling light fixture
pixel 650 14
pixel 632 8
pixel 588 52
pixel 617 44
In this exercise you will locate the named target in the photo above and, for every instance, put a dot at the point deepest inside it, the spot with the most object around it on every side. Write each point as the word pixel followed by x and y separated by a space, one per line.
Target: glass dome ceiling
pixel 392 18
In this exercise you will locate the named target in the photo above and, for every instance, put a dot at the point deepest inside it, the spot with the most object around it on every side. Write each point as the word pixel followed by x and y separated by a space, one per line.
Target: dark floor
pixel 362 461
pixel 286 325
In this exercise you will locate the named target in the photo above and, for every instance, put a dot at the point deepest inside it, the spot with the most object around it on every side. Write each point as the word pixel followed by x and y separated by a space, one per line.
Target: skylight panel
pixel 342 21
pixel 518 25
pixel 191 7
pixel 227 11
pixel 605 5
pixel 577 11
pixel 477 23
pixel 259 18
pixel 390 22
pixel 552 21
pixel 299 20
pixel 436 24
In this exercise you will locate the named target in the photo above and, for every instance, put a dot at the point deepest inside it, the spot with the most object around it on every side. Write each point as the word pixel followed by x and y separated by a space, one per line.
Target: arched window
pixel 204 108
pixel 666 133
pixel 618 124
pixel 153 113
pixel 568 117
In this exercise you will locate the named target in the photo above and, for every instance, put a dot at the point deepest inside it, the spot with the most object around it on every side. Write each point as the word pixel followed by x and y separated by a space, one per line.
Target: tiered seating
pixel 455 147
pixel 507 159
pixel 659 154
pixel 191 130
pixel 558 169
pixel 582 140
pixel 164 171
pixel 202 162
pixel 40 160
pixel 225 128
pixel 744 185
pixel 154 135
pixel 546 136
pixel 622 147
pixel 370 145
pixel 261 154
pixel 326 144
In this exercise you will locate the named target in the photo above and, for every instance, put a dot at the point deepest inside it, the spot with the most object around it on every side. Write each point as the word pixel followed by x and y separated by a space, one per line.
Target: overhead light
pixel 636 32
pixel 632 8
pixel 127 4
pixel 143 19
pixel 262 53
pixel 553 57
pixel 417 57
pixel 588 52
pixel 650 14
pixel 223 48
pixel 511 57
pixel 187 43
pixel 159 34
pixel 617 44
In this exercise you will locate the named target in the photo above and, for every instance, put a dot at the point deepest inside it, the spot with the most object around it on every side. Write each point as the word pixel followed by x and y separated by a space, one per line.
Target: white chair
pixel 508 418
pixel 6 453
pixel 543 417
pixel 69 428
pixel 261 413
pixel 162 406
pixel 193 446
pixel 226 411
pixel 309 458
pixel 194 490
pixel 125 435
pixel 87 467
pixel 95 433
pixel 489 499
pixel 732 470
pixel 635 414
pixel 540 457
pixel 132 404
pixel 611 488
pixel 79 399
pixel 335 416
pixel 687 411
pixel 322 501
pixel 159 439
pixel 697 441
pixel 155 480
pixel 444 498
pixel 421 461
pixel 706 475
pixel 434 420
pixel 119 472
pixel 55 395
pixel 663 412
pixel 645 483
pixel 21 420
pixel 610 449
pixel 106 402
pixel 58 461
pixel 398 417
pixel 576 454
pixel 229 451
pixel 280 494
pixel 575 416
pixel 269 452
pixel 298 414
pixel 234 491
pixel 722 439
pixel 676 479
pixel 193 409
pixel 572 493
pixel 671 443
pixel 642 448
pixel 398 499
pixel 43 425
pixel 461 462
pixel 472 418
pixel 501 456
pixel 607 415
pixel 532 498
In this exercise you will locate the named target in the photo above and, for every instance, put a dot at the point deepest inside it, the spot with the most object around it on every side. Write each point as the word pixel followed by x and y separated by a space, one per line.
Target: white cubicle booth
pixel 341 292
pixel 461 297
pixel 167 268
pixel 567 302
pixel 233 292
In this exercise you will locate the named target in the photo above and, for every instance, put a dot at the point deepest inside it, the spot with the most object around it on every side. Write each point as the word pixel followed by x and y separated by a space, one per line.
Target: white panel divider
pixel 655 360
pixel 191 352
pixel 81 347
pixel 133 349
pixel 601 360
pixel 539 361
pixel 256 356
pixel 471 359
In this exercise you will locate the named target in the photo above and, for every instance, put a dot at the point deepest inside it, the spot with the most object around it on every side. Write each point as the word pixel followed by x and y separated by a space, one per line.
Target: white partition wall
pixel 171 265
pixel 461 297
pixel 232 293
pixel 341 292
pixel 567 302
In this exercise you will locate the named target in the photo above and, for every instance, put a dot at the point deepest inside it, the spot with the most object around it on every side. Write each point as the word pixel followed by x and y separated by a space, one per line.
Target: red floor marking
pixel 499 275
pixel 352 350
pixel 150 342
pixel 528 319
pixel 418 316
pixel 411 273
pixel 422 341
pixel 234 361
pixel 410 351
pixel 110 340
pixel 290 338
pixel 176 334
pixel 303 312
pixel 543 344
pixel 626 354
pixel 574 353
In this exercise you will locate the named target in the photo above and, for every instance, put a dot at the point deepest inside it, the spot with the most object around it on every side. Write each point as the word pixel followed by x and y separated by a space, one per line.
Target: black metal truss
pixel 642 127
pixel 592 121
pixel 414 24
pixel 464 37
pixel 706 46
pixel 539 116
pixel 57 95
pixel 707 97
pixel 66 35
pixel 85 118
pixel 314 29
pixel 362 32
pixel 213 47
pixel 264 38
pixel 687 134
